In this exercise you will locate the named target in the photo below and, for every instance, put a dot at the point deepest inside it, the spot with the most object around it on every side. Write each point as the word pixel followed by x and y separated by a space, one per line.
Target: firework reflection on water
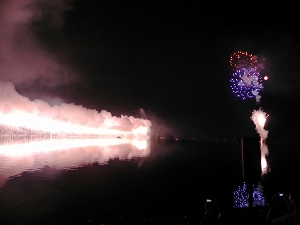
pixel 64 153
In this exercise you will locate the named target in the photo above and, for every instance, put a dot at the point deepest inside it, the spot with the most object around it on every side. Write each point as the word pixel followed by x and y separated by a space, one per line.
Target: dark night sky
pixel 171 59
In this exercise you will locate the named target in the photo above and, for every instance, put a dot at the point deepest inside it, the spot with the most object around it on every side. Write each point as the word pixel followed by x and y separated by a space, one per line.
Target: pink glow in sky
pixel 27 61
pixel 24 60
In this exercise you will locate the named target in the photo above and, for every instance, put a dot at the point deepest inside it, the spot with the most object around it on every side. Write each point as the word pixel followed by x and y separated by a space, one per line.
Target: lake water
pixel 90 181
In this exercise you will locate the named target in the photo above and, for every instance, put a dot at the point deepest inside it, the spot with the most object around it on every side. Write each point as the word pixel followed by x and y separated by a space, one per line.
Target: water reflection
pixel 23 154
pixel 264 153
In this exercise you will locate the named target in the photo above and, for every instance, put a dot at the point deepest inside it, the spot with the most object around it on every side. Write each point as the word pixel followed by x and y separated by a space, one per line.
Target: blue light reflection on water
pixel 98 183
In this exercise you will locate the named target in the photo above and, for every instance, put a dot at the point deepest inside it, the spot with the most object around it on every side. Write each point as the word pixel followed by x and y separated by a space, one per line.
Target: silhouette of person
pixel 224 202
pixel 211 211
pixel 292 204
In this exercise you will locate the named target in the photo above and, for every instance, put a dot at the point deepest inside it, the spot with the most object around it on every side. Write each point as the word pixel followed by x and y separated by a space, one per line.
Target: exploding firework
pixel 246 83
pixel 242 59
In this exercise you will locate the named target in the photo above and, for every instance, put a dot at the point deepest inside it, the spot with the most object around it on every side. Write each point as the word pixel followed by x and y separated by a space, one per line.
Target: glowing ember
pixel 20 116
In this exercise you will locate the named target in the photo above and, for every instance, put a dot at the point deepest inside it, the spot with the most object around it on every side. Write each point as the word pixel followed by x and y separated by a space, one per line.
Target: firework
pixel 246 83
pixel 242 59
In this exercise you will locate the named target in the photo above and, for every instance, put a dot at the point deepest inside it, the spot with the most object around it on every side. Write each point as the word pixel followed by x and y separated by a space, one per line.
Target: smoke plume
pixel 259 118
pixel 24 59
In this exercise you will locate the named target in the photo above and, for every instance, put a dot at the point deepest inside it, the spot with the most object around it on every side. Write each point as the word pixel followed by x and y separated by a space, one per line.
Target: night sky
pixel 169 59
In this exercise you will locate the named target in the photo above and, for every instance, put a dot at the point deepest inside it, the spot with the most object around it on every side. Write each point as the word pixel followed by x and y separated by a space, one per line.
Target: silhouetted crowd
pixel 284 209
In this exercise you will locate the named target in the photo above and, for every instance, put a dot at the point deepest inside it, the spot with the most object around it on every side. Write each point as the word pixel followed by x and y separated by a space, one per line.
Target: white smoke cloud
pixel 259 118
pixel 11 102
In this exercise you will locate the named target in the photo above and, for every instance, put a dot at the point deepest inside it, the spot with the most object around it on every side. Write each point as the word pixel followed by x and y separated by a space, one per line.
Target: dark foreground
pixel 168 187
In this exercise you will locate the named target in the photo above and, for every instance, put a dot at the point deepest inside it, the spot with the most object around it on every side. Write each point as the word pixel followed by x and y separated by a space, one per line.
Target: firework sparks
pixel 246 81
pixel 242 59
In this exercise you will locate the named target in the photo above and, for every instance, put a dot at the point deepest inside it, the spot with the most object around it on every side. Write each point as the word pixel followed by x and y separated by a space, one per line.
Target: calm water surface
pixel 90 181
